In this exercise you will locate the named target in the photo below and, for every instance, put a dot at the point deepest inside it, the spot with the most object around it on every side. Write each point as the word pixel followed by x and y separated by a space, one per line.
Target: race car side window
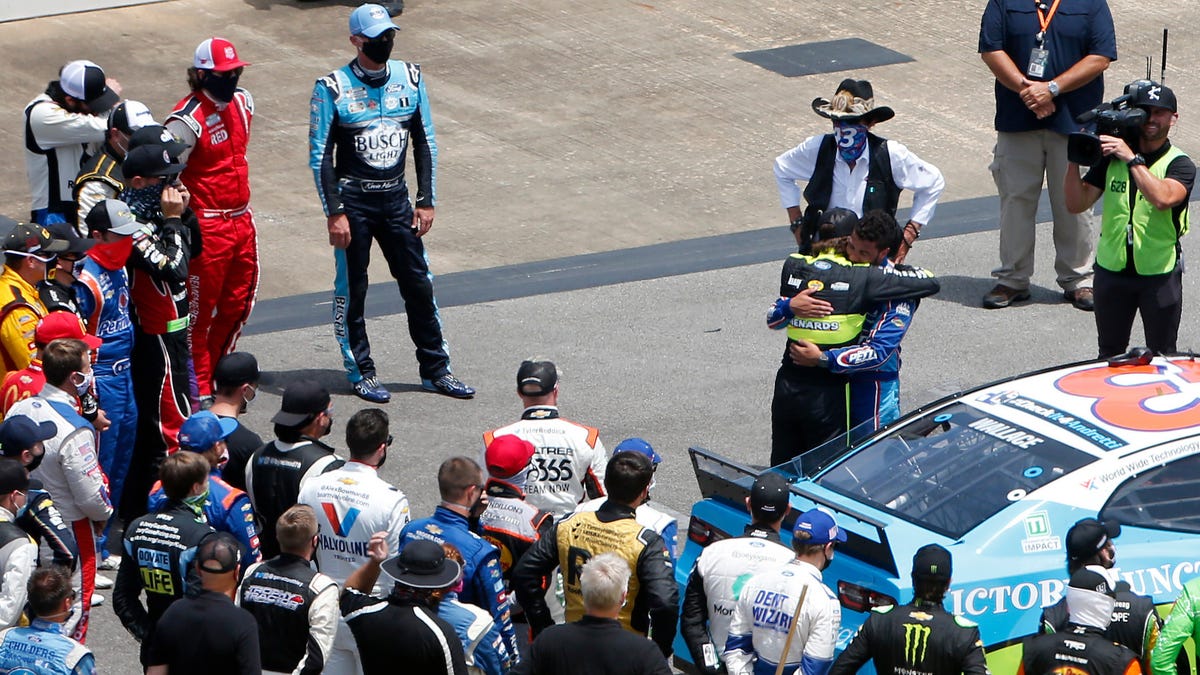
pixel 1164 498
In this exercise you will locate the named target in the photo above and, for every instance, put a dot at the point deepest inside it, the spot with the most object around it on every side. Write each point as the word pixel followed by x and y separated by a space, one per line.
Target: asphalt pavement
pixel 679 360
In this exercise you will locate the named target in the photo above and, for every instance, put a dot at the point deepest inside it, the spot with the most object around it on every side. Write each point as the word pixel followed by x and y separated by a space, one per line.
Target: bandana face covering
pixel 112 255
pixel 196 502
pixel 851 140
pixel 145 202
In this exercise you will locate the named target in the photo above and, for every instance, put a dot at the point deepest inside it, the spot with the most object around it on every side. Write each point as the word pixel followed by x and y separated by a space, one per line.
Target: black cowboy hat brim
pixel 875 115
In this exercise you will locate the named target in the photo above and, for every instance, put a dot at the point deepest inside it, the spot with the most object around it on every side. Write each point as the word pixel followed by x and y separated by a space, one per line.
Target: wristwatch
pixel 1136 160
pixel 1052 87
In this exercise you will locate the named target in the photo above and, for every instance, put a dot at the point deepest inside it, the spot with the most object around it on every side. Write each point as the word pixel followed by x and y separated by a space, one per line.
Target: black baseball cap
pixel 422 564
pixel 769 496
pixel 218 553
pixel 1155 95
pixel 75 243
pixel 34 239
pixel 302 401
pixel 536 378
pixel 837 222
pixel 151 160
pixel 235 369
pixel 1088 536
pixel 157 134
pixel 932 562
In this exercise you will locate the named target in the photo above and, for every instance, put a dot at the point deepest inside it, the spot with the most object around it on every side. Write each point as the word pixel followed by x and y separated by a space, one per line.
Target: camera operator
pixel 1145 210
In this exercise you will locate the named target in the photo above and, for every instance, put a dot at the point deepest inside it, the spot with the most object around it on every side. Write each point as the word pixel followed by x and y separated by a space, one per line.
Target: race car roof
pixel 1101 409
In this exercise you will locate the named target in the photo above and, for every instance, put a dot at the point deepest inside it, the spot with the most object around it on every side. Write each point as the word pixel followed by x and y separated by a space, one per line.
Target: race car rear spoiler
pixel 726 480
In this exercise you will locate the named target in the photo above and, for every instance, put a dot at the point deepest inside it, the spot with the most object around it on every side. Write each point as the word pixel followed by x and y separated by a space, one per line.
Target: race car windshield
pixel 952 470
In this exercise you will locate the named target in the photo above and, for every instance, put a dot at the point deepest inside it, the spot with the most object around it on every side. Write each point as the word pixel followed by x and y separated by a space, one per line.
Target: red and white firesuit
pixel 223 280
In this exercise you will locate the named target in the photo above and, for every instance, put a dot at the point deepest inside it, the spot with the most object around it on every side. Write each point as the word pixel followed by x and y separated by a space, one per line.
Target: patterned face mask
pixel 851 140
pixel 145 202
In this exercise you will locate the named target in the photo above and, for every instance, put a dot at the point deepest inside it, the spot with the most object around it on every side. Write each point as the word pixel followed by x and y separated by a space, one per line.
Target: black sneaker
pixel 369 389
pixel 448 385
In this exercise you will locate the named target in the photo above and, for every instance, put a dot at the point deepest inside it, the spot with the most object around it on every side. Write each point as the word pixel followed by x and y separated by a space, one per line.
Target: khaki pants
pixel 1019 164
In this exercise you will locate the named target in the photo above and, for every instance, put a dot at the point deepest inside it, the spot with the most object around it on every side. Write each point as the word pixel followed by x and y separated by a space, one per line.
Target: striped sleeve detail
pixel 436 630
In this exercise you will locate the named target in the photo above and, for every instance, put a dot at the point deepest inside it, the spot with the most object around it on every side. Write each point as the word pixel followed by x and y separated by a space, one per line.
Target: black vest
pixel 279 593
pixel 881 192
pixel 274 479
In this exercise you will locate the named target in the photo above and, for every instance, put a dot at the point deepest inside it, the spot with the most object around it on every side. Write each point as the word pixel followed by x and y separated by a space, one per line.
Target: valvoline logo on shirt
pixel 341 526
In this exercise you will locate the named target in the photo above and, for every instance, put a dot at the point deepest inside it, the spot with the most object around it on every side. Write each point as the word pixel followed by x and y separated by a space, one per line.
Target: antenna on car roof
pixel 1162 72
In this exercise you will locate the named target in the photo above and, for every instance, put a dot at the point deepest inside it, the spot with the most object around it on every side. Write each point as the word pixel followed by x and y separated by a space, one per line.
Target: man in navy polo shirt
pixel 1048 57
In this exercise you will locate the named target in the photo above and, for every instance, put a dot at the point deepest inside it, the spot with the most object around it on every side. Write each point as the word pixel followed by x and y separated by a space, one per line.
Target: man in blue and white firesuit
pixel 872 363
pixel 364 117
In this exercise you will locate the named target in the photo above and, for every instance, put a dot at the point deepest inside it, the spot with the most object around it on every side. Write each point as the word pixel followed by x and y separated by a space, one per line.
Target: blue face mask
pixel 145 202
pixel 851 140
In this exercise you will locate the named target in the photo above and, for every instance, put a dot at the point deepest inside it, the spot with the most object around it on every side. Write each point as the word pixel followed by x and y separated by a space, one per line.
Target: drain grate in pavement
pixel 823 57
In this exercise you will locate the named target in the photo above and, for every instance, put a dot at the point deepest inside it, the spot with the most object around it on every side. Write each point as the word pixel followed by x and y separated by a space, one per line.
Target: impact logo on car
pixel 1038 537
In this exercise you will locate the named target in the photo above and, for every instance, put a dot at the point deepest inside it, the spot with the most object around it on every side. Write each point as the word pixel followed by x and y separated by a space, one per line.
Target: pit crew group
pixel 258 557
pixel 753 605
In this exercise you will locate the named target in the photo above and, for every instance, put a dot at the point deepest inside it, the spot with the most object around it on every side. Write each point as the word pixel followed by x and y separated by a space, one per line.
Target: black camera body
pixel 1119 117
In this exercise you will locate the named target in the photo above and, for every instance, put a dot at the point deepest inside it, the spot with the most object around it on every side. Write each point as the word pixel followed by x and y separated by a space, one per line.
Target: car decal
pixel 1153 397
pixel 1081 428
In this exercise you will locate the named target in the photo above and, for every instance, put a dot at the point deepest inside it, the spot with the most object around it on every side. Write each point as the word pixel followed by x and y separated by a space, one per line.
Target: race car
pixel 996 475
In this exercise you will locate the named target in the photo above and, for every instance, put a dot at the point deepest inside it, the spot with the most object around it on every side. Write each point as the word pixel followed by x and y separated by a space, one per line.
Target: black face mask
pixel 379 50
pixel 37 460
pixel 381 461
pixel 220 88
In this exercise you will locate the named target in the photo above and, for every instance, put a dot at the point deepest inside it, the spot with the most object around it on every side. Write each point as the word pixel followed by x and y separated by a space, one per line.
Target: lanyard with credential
pixel 1044 19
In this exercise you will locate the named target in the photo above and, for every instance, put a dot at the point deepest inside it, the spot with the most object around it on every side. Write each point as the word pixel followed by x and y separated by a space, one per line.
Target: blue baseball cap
pixel 202 430
pixel 638 445
pixel 820 527
pixel 370 20
pixel 19 433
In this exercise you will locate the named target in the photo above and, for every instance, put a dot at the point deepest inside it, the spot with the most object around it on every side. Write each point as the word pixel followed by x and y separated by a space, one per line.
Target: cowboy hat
pixel 853 102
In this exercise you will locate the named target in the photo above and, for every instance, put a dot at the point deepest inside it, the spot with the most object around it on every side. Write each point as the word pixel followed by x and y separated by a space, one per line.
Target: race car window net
pixel 952 469
pixel 1163 498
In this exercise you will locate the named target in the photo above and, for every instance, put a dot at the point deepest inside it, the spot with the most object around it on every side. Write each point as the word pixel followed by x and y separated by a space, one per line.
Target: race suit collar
pixel 47 626
pixel 500 488
pixel 755 532
pixel 808 567
pixel 445 515
pixel 540 412
pixel 367 78
pixel 927 604
pixel 615 510
pixel 53 393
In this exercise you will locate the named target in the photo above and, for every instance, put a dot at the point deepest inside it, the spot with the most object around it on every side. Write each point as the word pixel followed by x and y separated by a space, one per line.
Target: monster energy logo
pixel 916 641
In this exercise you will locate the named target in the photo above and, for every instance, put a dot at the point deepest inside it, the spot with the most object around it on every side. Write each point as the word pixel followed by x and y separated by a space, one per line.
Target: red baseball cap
pixel 508 455
pixel 217 54
pixel 63 324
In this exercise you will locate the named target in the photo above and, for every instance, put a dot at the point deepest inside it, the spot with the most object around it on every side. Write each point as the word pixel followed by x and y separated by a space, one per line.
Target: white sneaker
pixel 109 564
pixel 97 599
pixel 103 582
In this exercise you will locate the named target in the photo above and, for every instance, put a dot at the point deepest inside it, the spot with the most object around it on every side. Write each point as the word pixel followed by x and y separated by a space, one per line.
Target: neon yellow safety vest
pixel 1153 232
